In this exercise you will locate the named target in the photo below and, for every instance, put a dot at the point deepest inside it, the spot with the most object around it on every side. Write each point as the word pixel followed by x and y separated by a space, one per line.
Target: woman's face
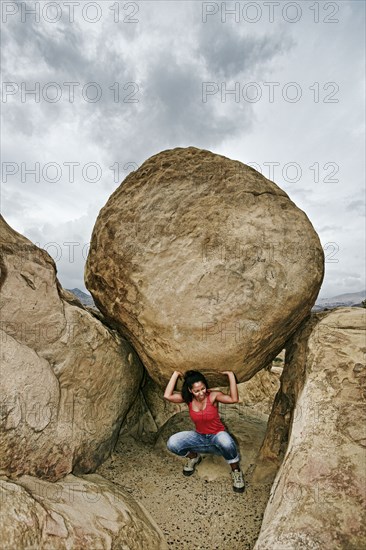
pixel 198 390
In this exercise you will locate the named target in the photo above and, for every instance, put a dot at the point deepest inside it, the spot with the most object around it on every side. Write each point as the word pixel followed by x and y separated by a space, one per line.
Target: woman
pixel 210 435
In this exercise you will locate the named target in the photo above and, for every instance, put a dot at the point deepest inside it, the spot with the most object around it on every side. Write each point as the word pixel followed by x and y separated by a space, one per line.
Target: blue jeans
pixel 221 444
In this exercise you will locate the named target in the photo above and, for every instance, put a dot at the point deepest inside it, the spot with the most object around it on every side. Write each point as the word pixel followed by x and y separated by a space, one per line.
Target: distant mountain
pixel 350 299
pixel 85 299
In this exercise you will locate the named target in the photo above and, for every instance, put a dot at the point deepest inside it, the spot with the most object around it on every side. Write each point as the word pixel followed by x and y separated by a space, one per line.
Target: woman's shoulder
pixel 212 395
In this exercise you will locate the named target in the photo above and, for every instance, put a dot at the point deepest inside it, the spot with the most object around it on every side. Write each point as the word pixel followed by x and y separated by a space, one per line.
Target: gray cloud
pixel 229 54
pixel 175 102
pixel 329 228
pixel 357 206
pixel 168 54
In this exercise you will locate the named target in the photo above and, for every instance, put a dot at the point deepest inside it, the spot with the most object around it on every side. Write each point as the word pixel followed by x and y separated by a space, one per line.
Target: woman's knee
pixel 179 442
pixel 172 443
pixel 225 442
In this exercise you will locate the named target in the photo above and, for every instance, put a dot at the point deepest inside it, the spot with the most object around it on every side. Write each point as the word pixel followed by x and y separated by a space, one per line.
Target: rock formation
pixel 67 381
pixel 259 392
pixel 317 426
pixel 203 263
pixel 75 512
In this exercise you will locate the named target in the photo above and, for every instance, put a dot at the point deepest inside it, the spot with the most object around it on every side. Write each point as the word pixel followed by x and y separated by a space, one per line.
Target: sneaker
pixel 238 481
pixel 189 467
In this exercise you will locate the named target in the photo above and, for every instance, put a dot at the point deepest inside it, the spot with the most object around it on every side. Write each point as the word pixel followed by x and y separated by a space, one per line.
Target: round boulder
pixel 203 263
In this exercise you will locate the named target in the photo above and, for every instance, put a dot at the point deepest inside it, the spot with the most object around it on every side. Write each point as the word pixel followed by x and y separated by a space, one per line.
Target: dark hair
pixel 190 378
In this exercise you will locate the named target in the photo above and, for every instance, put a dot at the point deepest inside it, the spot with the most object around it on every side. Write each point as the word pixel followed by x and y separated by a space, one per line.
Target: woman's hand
pixel 228 372
pixel 178 374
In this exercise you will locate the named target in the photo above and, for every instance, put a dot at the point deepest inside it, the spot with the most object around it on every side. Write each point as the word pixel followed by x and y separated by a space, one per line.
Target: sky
pixel 90 90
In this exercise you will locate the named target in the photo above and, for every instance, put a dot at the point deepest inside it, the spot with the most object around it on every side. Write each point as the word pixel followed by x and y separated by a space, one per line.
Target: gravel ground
pixel 200 511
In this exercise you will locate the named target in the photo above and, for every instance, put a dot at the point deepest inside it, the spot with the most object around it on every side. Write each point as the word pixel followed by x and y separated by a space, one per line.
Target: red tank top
pixel 207 421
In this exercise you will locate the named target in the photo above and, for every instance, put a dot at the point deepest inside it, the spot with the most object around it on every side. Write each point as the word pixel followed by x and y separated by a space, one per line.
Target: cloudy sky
pixel 92 89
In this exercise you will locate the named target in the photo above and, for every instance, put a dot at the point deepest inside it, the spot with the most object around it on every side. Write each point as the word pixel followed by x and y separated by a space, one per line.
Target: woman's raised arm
pixel 168 394
pixel 234 396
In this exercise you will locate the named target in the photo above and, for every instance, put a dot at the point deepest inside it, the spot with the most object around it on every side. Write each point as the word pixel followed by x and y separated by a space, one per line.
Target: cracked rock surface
pixel 203 262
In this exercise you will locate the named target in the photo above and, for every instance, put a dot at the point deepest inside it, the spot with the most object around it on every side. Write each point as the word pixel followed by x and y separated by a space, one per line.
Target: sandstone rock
pixel 67 381
pixel 203 263
pixel 139 422
pixel 318 496
pixel 160 409
pixel 279 423
pixel 20 518
pixel 75 512
pixel 259 392
pixel 149 412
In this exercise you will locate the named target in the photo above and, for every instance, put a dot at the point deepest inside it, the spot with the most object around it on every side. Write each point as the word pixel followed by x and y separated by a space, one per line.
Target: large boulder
pixel 203 263
pixel 318 495
pixel 75 512
pixel 67 381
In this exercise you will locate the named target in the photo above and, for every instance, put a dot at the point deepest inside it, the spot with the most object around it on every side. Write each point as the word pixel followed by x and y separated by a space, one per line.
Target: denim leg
pixel 221 444
pixel 227 446
pixel 182 443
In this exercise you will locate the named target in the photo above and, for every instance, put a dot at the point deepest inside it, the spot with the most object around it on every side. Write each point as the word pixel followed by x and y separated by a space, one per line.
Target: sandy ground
pixel 200 511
